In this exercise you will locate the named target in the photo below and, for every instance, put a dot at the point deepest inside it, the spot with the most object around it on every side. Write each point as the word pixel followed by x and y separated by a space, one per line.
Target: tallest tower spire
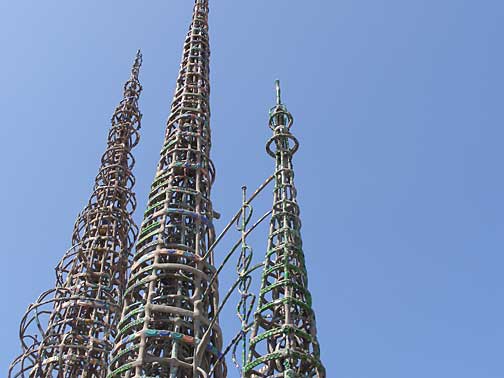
pixel 169 308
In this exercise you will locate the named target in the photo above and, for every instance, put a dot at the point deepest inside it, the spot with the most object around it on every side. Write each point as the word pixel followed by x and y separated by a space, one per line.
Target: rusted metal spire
pixel 284 338
pixel 165 311
pixel 68 331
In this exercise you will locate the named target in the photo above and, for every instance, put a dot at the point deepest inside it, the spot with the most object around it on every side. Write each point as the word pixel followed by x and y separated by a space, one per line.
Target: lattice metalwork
pixel 169 301
pixel 244 265
pixel 68 331
pixel 283 340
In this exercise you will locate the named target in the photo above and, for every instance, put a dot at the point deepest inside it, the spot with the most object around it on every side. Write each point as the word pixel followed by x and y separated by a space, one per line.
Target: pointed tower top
pixel 138 58
pixel 135 70
pixel 278 92
pixel 131 92
pixel 279 115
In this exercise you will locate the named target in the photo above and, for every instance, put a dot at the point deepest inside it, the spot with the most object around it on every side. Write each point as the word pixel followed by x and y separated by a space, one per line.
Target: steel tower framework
pixel 68 331
pixel 284 338
pixel 169 302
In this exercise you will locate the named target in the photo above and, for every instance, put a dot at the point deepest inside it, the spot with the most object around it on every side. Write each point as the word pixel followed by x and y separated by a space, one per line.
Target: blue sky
pixel 398 109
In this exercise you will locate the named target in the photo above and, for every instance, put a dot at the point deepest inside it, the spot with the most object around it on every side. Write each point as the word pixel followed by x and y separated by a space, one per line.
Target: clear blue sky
pixel 398 108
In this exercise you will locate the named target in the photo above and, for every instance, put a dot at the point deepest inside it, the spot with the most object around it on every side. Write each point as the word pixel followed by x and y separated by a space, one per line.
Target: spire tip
pixel 278 92
pixel 138 59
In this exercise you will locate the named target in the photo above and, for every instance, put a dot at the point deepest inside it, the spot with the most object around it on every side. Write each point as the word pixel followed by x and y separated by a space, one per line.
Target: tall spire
pixel 284 337
pixel 166 314
pixel 68 331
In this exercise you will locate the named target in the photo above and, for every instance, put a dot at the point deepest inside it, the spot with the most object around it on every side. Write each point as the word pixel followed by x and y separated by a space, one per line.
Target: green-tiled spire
pixel 284 337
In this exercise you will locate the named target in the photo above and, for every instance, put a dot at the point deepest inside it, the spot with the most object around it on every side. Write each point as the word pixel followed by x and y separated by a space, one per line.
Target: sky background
pixel 398 109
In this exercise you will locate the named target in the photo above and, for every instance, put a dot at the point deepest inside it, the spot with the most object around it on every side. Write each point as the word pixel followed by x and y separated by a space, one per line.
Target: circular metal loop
pixel 278 138
pixel 248 216
pixel 278 113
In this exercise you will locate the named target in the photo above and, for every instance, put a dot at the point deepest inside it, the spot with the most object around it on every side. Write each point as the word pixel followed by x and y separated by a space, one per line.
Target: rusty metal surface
pixel 167 307
pixel 68 331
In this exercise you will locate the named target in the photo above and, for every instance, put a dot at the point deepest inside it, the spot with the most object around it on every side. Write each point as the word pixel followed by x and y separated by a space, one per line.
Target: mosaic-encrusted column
pixel 165 314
